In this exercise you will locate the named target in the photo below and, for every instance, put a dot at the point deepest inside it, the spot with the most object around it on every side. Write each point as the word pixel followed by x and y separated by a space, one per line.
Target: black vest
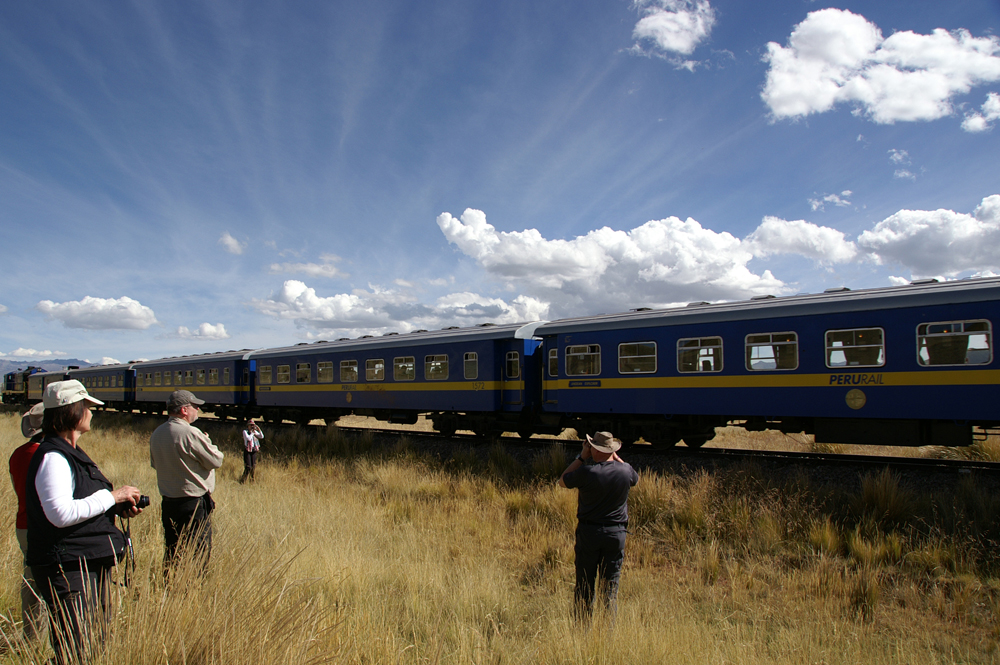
pixel 95 538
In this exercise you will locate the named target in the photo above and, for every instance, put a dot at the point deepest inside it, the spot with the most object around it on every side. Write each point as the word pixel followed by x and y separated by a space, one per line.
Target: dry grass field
pixel 345 553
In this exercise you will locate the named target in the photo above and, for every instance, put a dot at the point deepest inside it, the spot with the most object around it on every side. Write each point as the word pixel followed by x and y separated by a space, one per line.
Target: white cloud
pixel 661 262
pixel 938 242
pixel 980 122
pixel 676 26
pixel 326 269
pixel 100 313
pixel 839 200
pixel 835 56
pixel 3 309
pixel 899 156
pixel 231 244
pixel 379 310
pixel 820 243
pixel 904 174
pixel 108 360
pixel 32 354
pixel 205 331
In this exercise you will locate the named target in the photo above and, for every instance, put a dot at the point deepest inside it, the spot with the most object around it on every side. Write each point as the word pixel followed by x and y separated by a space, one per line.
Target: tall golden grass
pixel 345 552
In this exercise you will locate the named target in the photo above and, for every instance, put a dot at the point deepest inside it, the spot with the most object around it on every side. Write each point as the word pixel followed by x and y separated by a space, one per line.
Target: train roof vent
pixel 366 336
pixel 764 297
pixel 929 280
pixel 302 344
pixel 836 289
pixel 642 309
pixel 389 334
pixel 73 367
pixel 450 328
pixel 484 325
pixel 321 341
pixel 416 331
pixel 698 303
pixel 343 339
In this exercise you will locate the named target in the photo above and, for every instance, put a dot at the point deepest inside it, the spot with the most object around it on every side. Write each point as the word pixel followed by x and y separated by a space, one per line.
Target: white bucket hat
pixel 64 393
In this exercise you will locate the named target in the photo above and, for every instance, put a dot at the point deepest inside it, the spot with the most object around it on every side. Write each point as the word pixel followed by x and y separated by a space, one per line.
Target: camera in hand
pixel 143 501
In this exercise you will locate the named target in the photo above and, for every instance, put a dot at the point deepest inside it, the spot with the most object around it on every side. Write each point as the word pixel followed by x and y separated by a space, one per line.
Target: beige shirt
pixel 184 458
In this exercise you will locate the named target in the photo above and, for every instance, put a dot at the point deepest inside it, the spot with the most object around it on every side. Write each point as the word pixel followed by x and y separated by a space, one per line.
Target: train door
pixel 512 380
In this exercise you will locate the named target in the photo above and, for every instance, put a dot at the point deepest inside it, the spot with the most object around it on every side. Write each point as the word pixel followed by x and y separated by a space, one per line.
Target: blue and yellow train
pixel 905 365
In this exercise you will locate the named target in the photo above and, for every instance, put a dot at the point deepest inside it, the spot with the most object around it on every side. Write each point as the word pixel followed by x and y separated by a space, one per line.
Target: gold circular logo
pixel 855 398
pixel 349 398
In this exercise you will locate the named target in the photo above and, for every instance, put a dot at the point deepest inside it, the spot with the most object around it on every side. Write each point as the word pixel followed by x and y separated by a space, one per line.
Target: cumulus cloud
pixel 231 244
pixel 904 174
pixel 108 360
pixel 835 56
pixel 820 243
pixel 899 156
pixel 100 313
pixel 325 268
pixel 980 122
pixel 205 331
pixel 661 262
pixel 3 309
pixel 934 243
pixel 378 310
pixel 839 200
pixel 32 354
pixel 674 26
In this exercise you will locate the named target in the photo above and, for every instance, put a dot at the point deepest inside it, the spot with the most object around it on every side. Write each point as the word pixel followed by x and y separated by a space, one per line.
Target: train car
pixel 112 384
pixel 38 381
pixel 907 365
pixel 485 378
pixel 15 385
pixel 221 379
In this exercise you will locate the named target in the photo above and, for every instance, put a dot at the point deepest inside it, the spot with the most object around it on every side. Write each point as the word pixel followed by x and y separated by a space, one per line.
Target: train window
pixel 264 374
pixel 863 347
pixel 225 376
pixel 403 368
pixel 348 371
pixel 157 379
pixel 149 379
pixel 284 373
pixel 583 360
pixel 436 368
pixel 213 377
pixel 303 373
pixel 772 351
pixel 113 379
pixel 553 362
pixel 201 377
pixel 472 365
pixel 189 377
pixel 637 358
pixel 513 364
pixel 375 369
pixel 166 378
pixel 178 378
pixel 699 354
pixel 955 343
pixel 324 372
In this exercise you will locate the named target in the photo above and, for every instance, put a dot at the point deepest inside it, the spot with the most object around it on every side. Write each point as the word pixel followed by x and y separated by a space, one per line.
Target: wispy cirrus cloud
pixel 326 268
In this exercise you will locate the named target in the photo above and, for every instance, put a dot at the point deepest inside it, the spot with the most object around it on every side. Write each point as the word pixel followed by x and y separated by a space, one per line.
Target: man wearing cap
pixel 185 461
pixel 604 481
pixel 33 612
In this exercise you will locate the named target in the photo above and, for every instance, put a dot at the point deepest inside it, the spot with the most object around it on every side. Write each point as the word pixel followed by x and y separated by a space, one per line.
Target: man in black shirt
pixel 604 481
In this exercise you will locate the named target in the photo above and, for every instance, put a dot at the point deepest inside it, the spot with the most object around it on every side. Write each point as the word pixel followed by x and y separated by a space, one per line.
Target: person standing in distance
pixel 185 461
pixel 33 610
pixel 252 436
pixel 604 481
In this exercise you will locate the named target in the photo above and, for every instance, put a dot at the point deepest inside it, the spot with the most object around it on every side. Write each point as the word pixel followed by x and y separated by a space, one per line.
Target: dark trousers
pixel 249 465
pixel 600 550
pixel 187 524
pixel 76 594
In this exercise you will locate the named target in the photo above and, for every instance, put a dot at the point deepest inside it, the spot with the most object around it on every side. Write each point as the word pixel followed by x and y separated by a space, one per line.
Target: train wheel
pixel 695 441
pixel 446 430
pixel 524 433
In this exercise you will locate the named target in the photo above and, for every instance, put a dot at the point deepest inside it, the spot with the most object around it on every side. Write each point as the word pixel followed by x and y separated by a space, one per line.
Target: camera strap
pixel 129 567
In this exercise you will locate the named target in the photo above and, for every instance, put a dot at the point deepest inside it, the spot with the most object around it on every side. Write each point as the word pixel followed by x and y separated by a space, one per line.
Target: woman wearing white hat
pixel 72 539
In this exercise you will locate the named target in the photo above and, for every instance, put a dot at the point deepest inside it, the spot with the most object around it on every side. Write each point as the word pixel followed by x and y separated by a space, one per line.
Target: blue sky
pixel 183 178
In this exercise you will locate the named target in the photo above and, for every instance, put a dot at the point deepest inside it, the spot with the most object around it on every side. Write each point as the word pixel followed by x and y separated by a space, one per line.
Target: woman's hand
pixel 129 496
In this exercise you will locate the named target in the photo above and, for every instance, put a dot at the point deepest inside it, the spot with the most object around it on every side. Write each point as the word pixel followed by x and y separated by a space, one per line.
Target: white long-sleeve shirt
pixel 55 485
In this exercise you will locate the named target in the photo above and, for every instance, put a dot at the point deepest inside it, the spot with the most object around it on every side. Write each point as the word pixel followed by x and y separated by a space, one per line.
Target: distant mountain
pixel 47 365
